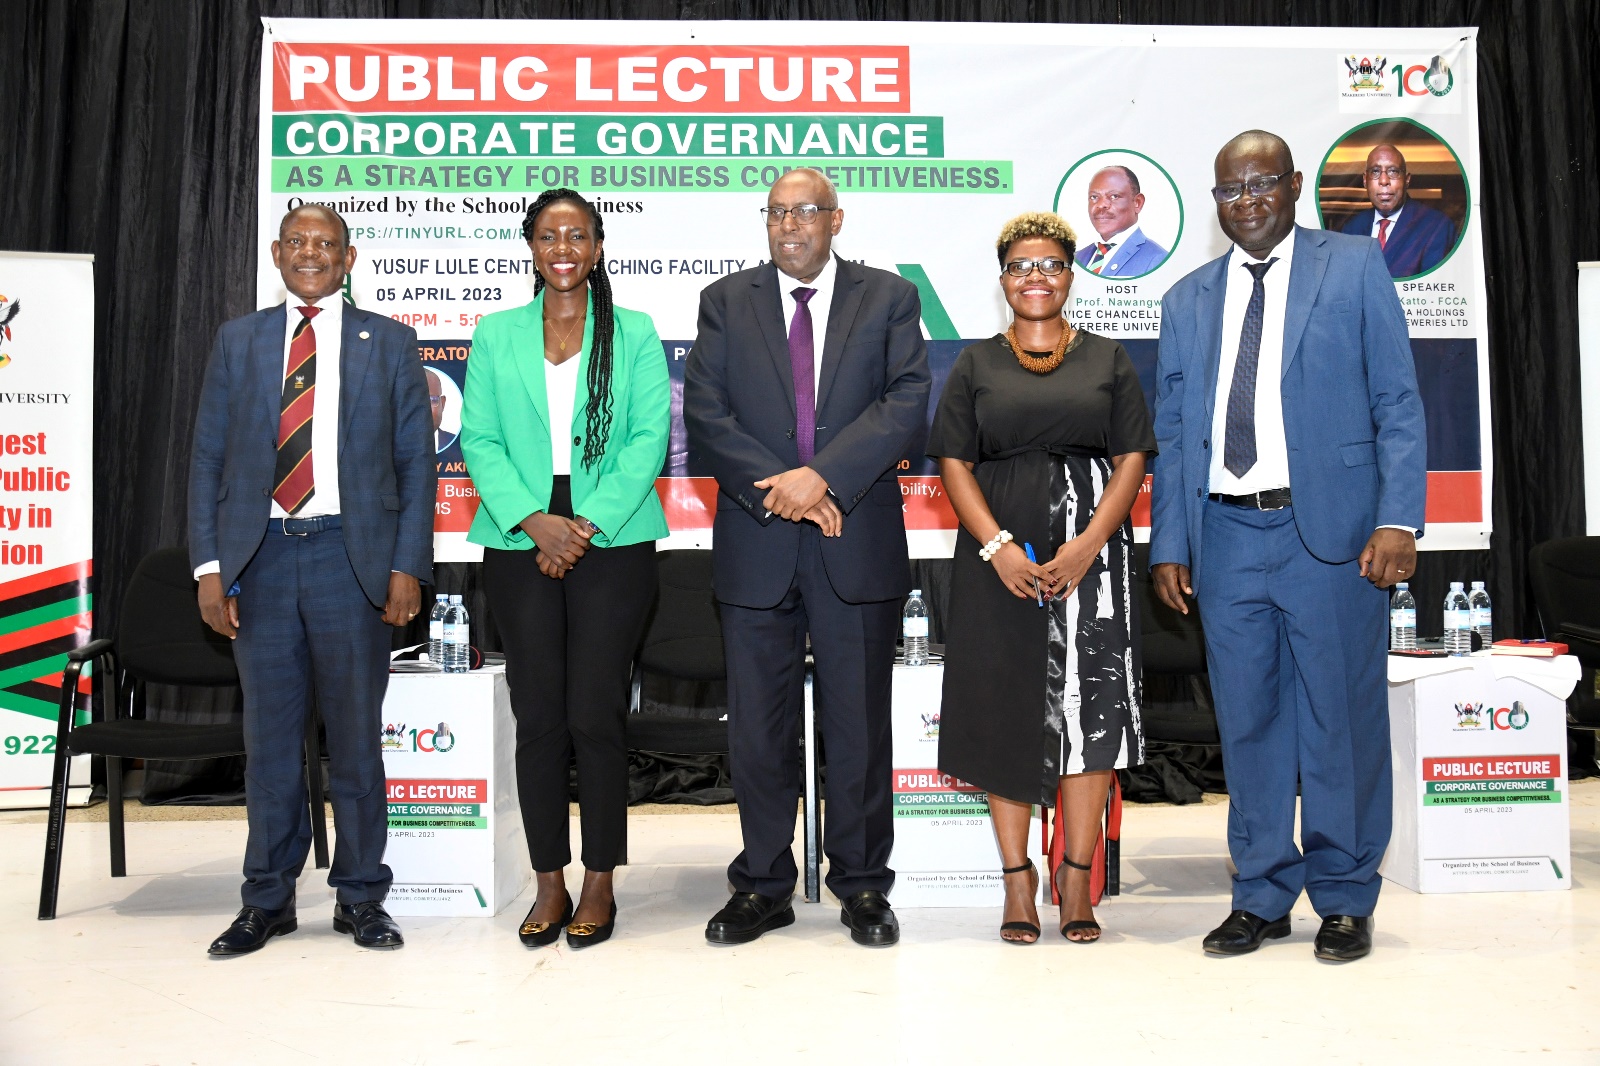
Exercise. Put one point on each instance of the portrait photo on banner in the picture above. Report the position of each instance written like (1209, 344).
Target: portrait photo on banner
(1397, 181)
(1126, 211)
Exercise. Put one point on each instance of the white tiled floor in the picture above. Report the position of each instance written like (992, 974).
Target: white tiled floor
(122, 977)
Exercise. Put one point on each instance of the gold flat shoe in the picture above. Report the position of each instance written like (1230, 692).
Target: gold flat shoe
(542, 934)
(588, 934)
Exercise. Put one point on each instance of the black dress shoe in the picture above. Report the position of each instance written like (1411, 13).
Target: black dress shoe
(747, 916)
(1344, 938)
(1242, 932)
(251, 930)
(871, 920)
(369, 923)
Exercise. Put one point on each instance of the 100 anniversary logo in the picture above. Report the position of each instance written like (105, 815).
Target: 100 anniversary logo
(9, 309)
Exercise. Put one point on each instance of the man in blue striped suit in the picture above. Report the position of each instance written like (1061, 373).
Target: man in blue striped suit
(311, 496)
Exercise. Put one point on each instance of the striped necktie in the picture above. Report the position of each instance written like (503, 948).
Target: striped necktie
(295, 477)
(1098, 262)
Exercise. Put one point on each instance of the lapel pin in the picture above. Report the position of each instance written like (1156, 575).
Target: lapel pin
(365, 334)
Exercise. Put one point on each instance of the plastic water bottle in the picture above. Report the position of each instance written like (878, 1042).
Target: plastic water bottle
(1457, 620)
(914, 627)
(457, 637)
(1402, 619)
(441, 603)
(1482, 613)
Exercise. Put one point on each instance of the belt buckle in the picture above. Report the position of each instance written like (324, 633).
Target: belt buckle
(1261, 504)
(288, 533)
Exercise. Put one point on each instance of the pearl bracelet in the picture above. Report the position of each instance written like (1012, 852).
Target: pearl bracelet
(998, 541)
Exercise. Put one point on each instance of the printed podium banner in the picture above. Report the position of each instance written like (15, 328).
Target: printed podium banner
(46, 511)
(455, 832)
(433, 137)
(1480, 781)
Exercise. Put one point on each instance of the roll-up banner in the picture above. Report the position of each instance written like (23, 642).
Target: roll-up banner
(433, 137)
(46, 510)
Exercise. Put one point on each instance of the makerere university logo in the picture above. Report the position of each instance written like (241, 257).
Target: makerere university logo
(1469, 716)
(1366, 75)
(9, 309)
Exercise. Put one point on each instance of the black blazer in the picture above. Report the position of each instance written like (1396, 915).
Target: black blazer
(872, 401)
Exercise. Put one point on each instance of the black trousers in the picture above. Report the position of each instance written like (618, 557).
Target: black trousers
(569, 645)
(853, 646)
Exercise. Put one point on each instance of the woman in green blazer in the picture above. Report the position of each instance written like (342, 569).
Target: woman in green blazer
(569, 533)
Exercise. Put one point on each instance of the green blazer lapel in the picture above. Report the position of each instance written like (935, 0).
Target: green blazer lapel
(527, 348)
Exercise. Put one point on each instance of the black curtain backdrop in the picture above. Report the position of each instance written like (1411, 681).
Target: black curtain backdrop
(128, 129)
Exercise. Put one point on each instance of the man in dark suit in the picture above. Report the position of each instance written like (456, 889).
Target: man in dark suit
(1414, 237)
(311, 495)
(1290, 485)
(807, 383)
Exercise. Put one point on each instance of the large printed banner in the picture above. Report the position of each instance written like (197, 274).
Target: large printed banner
(46, 509)
(433, 137)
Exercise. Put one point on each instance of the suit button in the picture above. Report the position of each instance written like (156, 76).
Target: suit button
(576, 441)
(266, 492)
(1199, 494)
(789, 433)
(1205, 444)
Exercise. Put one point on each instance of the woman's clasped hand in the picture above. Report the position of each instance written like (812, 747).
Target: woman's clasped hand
(561, 541)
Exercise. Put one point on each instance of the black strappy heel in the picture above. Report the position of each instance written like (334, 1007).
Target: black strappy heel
(1021, 927)
(1073, 927)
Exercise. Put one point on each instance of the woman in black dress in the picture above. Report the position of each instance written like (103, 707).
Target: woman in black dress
(1041, 437)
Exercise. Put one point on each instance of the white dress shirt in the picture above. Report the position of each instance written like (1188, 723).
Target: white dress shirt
(329, 326)
(1379, 216)
(821, 301)
(1272, 450)
(561, 397)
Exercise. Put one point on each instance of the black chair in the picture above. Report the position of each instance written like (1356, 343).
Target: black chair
(1565, 575)
(160, 639)
(682, 640)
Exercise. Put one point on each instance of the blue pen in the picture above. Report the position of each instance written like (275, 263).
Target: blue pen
(1038, 596)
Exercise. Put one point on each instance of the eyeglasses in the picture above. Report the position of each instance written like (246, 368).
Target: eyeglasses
(1049, 267)
(1392, 173)
(1227, 194)
(803, 214)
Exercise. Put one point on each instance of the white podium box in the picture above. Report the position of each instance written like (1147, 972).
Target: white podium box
(1480, 797)
(945, 853)
(455, 831)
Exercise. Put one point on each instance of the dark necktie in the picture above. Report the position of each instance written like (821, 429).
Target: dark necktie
(803, 364)
(1383, 232)
(1239, 445)
(295, 476)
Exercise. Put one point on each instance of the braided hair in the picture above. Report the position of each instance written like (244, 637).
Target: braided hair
(597, 411)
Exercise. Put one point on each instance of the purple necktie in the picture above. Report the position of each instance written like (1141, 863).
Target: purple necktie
(803, 364)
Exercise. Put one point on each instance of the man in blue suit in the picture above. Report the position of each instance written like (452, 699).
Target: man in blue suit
(1414, 237)
(311, 495)
(1123, 251)
(1290, 486)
